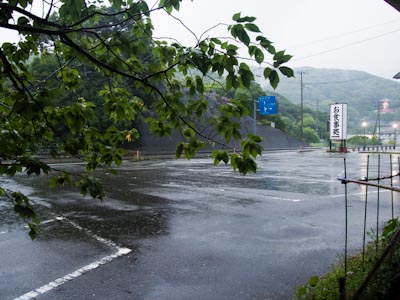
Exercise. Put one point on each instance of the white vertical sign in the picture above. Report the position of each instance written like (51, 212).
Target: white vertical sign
(338, 121)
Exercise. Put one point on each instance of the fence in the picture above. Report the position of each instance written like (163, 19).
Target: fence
(383, 254)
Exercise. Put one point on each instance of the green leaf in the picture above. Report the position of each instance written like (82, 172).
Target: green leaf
(33, 230)
(246, 76)
(236, 16)
(179, 149)
(288, 72)
(169, 5)
(215, 156)
(273, 79)
(234, 161)
(244, 164)
(252, 50)
(259, 56)
(188, 133)
(244, 37)
(23, 21)
(118, 156)
(267, 72)
(246, 19)
(199, 84)
(281, 58)
(252, 27)
(34, 165)
(61, 180)
(220, 155)
(91, 185)
(301, 291)
(229, 81)
(313, 281)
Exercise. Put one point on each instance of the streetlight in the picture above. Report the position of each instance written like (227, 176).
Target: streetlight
(364, 124)
(394, 139)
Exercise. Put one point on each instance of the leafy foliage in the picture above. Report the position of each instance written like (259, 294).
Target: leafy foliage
(384, 284)
(74, 47)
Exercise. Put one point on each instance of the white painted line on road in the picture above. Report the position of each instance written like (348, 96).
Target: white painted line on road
(328, 196)
(300, 179)
(91, 234)
(284, 199)
(51, 220)
(60, 281)
(356, 194)
(121, 251)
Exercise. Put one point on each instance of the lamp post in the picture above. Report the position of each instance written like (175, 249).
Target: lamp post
(394, 138)
(364, 124)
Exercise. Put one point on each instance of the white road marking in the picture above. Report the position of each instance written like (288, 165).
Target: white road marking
(356, 194)
(284, 199)
(60, 281)
(328, 196)
(121, 251)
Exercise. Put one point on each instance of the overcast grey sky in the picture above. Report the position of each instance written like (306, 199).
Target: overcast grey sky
(344, 34)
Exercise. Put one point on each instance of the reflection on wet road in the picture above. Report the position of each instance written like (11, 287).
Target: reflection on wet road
(188, 230)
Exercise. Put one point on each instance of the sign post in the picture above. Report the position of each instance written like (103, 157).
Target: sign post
(338, 124)
(267, 105)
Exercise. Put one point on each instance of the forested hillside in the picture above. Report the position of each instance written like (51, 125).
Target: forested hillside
(288, 118)
(362, 92)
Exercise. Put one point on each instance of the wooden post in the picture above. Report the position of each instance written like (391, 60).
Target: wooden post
(342, 288)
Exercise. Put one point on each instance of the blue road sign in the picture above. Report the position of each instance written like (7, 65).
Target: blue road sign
(267, 105)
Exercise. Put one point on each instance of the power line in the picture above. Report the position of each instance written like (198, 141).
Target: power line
(344, 34)
(347, 45)
(330, 50)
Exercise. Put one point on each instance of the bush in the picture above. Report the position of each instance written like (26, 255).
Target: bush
(384, 285)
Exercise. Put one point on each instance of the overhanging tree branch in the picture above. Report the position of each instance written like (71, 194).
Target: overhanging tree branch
(121, 48)
(30, 15)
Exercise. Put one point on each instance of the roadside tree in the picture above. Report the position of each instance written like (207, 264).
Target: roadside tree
(117, 43)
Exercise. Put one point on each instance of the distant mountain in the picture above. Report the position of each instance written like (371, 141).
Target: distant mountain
(362, 91)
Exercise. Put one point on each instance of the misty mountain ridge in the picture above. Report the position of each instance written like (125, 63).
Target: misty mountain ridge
(321, 87)
(361, 90)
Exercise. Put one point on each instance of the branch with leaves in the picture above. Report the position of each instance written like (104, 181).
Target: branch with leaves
(136, 77)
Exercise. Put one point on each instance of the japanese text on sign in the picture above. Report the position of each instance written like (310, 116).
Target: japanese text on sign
(338, 121)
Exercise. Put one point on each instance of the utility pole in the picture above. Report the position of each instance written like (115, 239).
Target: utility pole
(377, 129)
(316, 122)
(301, 104)
(255, 117)
(379, 122)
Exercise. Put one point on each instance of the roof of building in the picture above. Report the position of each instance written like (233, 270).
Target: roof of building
(394, 3)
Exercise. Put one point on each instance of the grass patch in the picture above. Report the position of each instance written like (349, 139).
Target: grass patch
(385, 284)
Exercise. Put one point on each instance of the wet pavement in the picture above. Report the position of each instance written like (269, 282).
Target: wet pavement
(177, 229)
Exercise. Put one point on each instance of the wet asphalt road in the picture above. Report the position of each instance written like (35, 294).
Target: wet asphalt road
(187, 230)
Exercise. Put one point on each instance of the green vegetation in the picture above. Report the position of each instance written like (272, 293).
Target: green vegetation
(84, 72)
(362, 92)
(383, 286)
(288, 118)
(358, 140)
